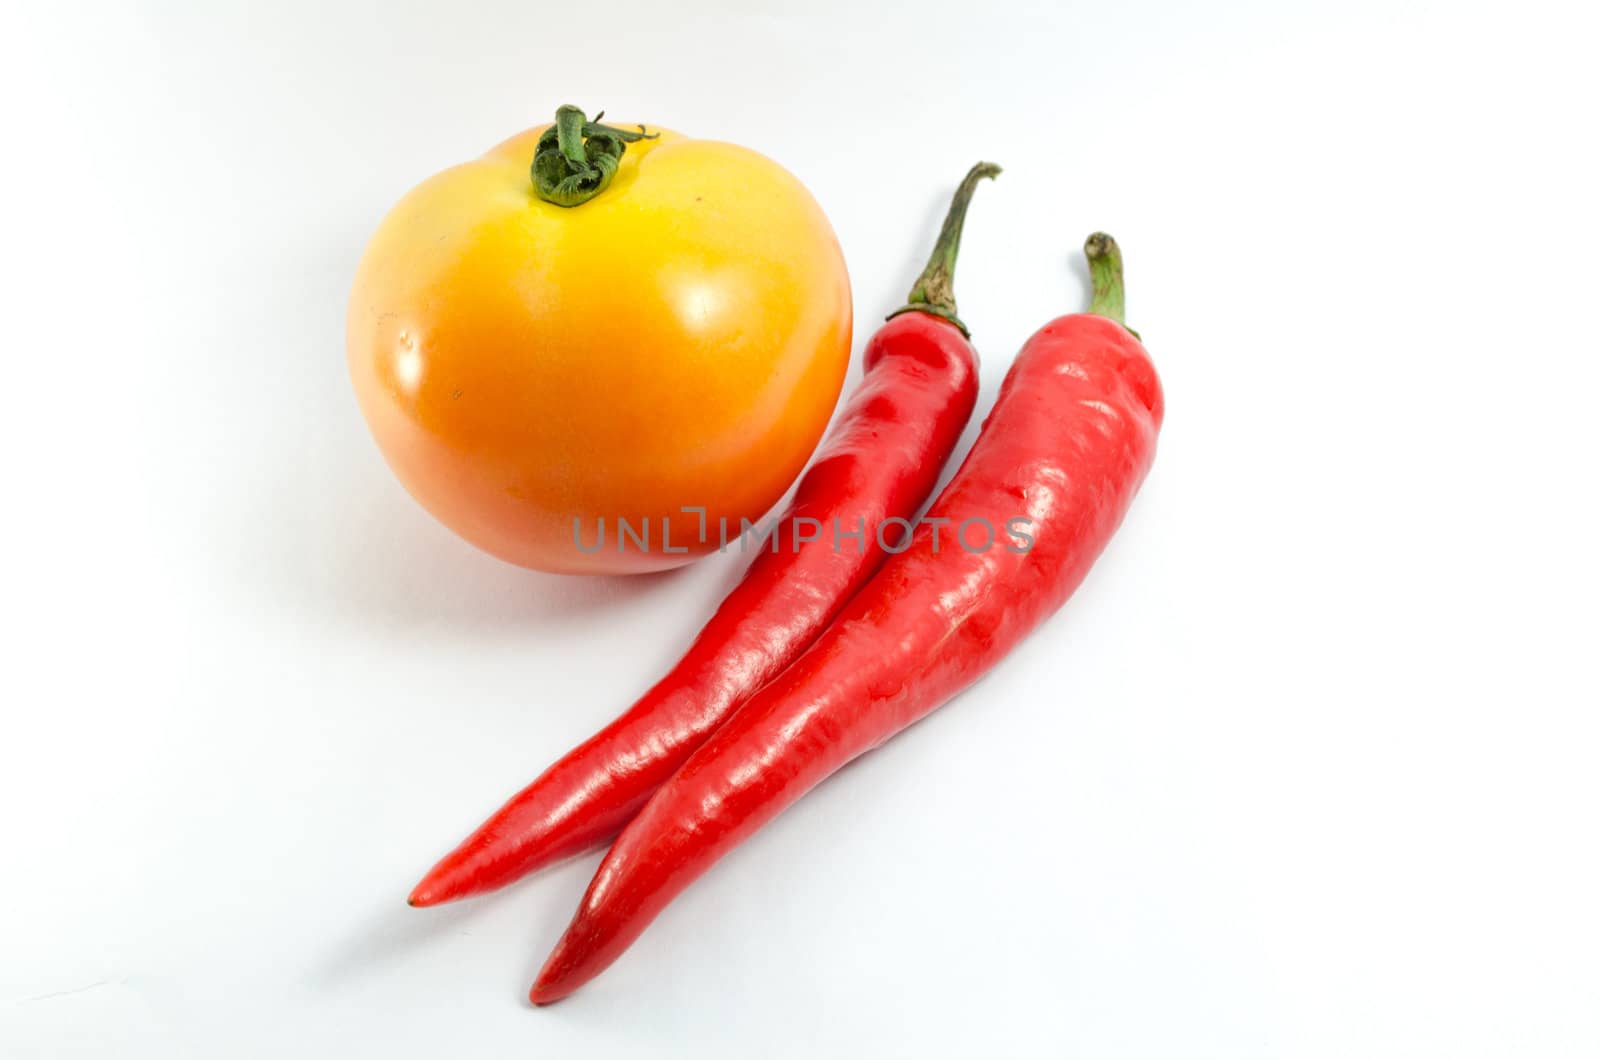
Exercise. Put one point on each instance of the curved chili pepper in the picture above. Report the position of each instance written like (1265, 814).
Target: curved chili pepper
(1068, 443)
(881, 461)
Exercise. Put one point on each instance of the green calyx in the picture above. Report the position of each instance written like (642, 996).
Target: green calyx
(935, 289)
(1105, 276)
(576, 158)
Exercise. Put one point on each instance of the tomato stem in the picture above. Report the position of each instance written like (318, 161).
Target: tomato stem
(934, 291)
(1105, 274)
(576, 158)
(569, 135)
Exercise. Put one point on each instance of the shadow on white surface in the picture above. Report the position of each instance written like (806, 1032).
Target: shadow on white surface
(385, 560)
(392, 933)
(322, 528)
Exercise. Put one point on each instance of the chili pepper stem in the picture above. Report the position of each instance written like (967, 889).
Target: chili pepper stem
(1105, 274)
(934, 291)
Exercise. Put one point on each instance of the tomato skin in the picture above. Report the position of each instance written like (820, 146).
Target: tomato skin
(678, 341)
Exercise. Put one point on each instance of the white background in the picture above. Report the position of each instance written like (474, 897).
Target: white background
(1307, 768)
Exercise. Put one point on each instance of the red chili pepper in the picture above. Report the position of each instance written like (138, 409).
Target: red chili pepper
(879, 464)
(1068, 443)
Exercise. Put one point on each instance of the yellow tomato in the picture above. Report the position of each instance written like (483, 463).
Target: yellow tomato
(535, 373)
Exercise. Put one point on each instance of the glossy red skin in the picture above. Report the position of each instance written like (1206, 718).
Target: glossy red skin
(1070, 439)
(881, 460)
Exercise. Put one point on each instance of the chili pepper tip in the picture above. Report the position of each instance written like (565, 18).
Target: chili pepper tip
(544, 992)
(424, 895)
(455, 877)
